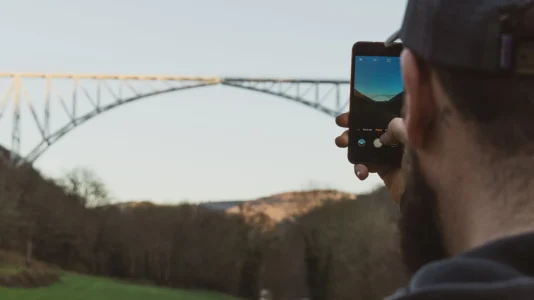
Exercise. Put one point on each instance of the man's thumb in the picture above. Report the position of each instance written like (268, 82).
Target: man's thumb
(396, 133)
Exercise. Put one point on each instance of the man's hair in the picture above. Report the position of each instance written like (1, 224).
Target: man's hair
(500, 106)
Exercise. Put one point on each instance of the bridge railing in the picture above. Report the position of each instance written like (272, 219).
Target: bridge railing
(61, 102)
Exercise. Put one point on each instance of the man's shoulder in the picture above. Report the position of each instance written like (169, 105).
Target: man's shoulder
(499, 270)
(467, 278)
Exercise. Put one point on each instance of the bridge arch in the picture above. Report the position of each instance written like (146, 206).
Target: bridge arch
(326, 97)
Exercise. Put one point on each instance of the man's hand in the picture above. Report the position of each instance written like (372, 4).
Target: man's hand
(393, 178)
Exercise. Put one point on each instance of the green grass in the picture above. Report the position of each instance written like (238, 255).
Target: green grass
(79, 287)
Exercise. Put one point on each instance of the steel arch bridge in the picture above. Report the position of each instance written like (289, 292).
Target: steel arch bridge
(69, 100)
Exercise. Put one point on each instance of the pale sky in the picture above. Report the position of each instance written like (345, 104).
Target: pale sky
(216, 143)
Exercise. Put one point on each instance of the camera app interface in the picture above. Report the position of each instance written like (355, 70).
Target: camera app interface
(378, 92)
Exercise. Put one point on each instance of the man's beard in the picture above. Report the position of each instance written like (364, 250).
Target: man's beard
(419, 226)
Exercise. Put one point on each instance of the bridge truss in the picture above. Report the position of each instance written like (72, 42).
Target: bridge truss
(65, 101)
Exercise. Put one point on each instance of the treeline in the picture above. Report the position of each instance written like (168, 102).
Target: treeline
(341, 250)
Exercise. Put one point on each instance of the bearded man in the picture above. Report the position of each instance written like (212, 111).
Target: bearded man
(466, 186)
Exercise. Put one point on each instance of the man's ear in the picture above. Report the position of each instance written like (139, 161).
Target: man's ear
(420, 105)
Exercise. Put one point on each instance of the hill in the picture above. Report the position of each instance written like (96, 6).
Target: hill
(221, 205)
(277, 207)
(214, 205)
(280, 207)
(132, 204)
(297, 245)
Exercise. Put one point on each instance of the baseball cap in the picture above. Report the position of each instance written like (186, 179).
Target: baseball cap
(484, 35)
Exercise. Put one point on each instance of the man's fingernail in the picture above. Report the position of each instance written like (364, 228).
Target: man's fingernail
(358, 174)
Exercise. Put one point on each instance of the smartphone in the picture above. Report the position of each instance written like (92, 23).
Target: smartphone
(376, 97)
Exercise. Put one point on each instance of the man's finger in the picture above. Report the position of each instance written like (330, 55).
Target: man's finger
(361, 172)
(343, 120)
(342, 141)
(396, 133)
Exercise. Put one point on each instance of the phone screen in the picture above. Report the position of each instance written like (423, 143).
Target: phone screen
(376, 99)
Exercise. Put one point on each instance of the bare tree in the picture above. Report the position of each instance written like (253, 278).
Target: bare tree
(86, 186)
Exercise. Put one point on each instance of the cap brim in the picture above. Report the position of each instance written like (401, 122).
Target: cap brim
(391, 40)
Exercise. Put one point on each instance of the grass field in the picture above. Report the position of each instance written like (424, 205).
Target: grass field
(79, 287)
